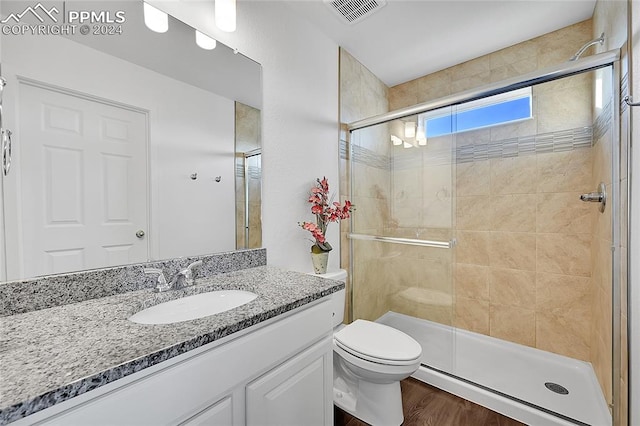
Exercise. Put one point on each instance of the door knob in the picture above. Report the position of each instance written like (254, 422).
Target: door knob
(140, 233)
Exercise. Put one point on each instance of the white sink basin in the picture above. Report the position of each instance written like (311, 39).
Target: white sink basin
(192, 307)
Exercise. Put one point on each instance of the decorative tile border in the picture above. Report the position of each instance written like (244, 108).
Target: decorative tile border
(365, 156)
(18, 297)
(254, 172)
(560, 141)
(603, 122)
(566, 140)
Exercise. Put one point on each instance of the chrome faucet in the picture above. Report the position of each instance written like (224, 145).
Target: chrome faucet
(181, 279)
(185, 277)
(162, 284)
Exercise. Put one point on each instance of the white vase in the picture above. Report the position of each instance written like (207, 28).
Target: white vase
(320, 262)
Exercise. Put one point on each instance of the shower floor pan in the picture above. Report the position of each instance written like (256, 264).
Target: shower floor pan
(527, 384)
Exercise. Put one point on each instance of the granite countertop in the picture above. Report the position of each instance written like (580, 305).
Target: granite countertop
(51, 355)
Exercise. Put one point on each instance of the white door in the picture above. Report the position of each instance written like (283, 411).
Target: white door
(83, 182)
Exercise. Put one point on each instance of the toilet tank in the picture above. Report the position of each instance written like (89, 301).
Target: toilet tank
(337, 299)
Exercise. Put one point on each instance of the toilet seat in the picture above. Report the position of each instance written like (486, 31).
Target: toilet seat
(378, 343)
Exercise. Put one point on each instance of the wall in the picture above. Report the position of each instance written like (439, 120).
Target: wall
(200, 121)
(300, 116)
(363, 95)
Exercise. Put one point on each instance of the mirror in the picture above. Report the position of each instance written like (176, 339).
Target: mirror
(124, 139)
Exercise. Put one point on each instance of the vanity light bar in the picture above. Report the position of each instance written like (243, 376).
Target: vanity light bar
(158, 21)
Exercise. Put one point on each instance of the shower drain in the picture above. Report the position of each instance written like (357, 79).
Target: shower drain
(554, 387)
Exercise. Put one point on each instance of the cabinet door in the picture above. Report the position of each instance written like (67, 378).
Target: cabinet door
(219, 414)
(298, 392)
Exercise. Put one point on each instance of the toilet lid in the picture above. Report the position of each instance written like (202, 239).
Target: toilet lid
(377, 342)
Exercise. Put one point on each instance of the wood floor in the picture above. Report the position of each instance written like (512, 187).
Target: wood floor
(425, 405)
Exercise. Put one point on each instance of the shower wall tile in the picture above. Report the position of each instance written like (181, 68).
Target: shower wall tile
(568, 108)
(563, 212)
(513, 69)
(472, 281)
(565, 171)
(563, 295)
(602, 225)
(473, 247)
(474, 213)
(433, 86)
(473, 137)
(513, 175)
(472, 315)
(559, 46)
(513, 250)
(434, 274)
(473, 178)
(563, 334)
(403, 95)
(514, 130)
(513, 54)
(515, 213)
(470, 68)
(514, 324)
(568, 254)
(471, 82)
(602, 160)
(512, 287)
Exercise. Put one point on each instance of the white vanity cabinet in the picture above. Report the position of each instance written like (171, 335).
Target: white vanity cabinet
(275, 373)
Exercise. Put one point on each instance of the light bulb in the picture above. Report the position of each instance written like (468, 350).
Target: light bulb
(407, 145)
(204, 41)
(155, 19)
(225, 12)
(396, 140)
(409, 130)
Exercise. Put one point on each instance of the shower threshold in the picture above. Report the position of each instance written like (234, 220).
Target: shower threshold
(527, 384)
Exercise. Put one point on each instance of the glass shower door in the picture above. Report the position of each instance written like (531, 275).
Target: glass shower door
(402, 230)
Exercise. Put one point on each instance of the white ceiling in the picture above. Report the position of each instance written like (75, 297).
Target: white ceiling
(407, 39)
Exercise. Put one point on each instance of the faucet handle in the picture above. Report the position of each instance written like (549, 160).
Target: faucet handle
(189, 273)
(162, 281)
(194, 264)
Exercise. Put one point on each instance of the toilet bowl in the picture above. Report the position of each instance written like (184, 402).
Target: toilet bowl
(369, 360)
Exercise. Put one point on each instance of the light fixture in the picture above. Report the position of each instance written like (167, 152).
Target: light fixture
(409, 129)
(204, 41)
(396, 140)
(598, 92)
(225, 11)
(421, 136)
(407, 145)
(155, 19)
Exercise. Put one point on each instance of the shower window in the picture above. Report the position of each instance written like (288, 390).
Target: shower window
(492, 111)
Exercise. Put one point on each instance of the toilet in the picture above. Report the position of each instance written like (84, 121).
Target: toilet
(369, 360)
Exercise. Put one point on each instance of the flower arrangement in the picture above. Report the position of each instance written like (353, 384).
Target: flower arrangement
(326, 212)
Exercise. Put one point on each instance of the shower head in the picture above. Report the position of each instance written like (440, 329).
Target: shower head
(586, 46)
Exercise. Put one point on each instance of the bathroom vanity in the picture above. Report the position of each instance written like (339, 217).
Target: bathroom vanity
(266, 362)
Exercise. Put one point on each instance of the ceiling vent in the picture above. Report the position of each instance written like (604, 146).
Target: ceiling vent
(354, 11)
